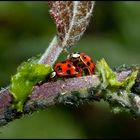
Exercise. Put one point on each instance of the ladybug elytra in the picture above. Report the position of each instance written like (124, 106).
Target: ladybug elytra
(67, 69)
(84, 61)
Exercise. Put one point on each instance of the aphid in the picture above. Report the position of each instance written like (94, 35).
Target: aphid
(67, 69)
(84, 61)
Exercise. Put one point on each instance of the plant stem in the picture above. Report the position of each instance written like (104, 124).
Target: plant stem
(69, 91)
(52, 52)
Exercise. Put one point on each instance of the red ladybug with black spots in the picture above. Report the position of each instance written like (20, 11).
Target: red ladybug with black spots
(67, 69)
(83, 61)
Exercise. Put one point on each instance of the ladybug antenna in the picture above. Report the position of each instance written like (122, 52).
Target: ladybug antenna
(65, 51)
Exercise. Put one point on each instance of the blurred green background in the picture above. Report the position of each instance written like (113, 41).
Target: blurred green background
(26, 29)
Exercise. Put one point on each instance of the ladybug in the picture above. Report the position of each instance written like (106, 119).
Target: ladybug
(67, 69)
(84, 61)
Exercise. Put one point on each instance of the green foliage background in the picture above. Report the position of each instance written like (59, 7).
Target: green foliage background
(26, 29)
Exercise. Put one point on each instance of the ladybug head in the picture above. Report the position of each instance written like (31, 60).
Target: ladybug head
(73, 55)
(53, 74)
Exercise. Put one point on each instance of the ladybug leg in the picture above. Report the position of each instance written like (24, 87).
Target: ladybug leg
(86, 71)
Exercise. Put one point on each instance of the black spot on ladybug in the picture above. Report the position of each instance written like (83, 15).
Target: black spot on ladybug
(93, 70)
(88, 63)
(84, 57)
(91, 61)
(77, 70)
(63, 62)
(59, 69)
(75, 61)
(68, 72)
(69, 65)
(58, 66)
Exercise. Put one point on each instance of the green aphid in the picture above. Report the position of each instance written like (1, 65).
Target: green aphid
(28, 74)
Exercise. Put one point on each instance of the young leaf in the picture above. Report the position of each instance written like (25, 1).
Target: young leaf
(28, 74)
(71, 19)
(110, 80)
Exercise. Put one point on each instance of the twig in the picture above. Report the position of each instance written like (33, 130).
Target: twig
(68, 91)
(72, 90)
(52, 52)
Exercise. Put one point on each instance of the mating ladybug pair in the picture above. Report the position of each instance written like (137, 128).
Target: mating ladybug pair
(76, 64)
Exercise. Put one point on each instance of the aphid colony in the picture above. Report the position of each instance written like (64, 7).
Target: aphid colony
(76, 64)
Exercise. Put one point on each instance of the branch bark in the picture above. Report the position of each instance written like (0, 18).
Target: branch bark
(69, 91)
(73, 90)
